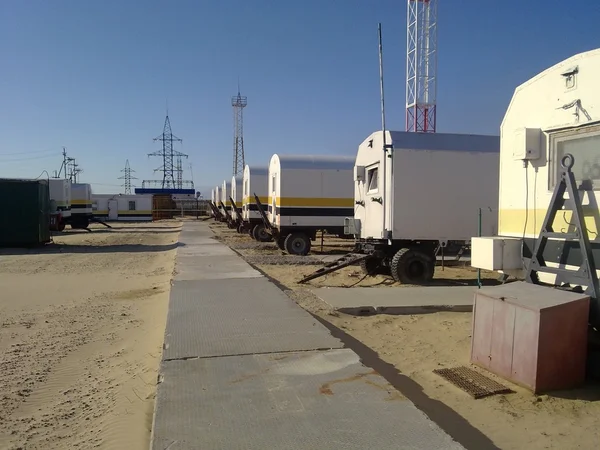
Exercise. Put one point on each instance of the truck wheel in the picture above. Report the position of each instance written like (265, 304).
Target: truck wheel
(281, 242)
(411, 266)
(374, 266)
(297, 244)
(260, 234)
(240, 228)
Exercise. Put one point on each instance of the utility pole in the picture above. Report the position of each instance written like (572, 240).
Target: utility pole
(70, 167)
(127, 178)
(238, 103)
(168, 155)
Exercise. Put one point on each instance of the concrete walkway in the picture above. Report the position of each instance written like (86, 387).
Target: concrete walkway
(398, 300)
(244, 367)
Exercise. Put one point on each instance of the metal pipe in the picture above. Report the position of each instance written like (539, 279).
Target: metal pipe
(385, 195)
(479, 235)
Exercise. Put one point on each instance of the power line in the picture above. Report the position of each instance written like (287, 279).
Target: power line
(53, 155)
(27, 153)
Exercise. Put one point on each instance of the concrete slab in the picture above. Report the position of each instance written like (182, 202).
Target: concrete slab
(189, 240)
(213, 268)
(398, 300)
(314, 400)
(203, 250)
(236, 316)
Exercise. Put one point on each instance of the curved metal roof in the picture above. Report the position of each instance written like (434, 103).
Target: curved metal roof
(316, 162)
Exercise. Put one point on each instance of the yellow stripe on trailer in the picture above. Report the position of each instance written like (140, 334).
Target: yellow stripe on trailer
(250, 199)
(529, 222)
(314, 202)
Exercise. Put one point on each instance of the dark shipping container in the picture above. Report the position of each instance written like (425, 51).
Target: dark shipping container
(25, 215)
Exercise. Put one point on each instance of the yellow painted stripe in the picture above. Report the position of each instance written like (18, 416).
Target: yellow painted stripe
(246, 200)
(81, 202)
(512, 221)
(124, 211)
(314, 202)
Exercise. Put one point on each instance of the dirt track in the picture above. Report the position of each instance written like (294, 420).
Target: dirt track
(81, 330)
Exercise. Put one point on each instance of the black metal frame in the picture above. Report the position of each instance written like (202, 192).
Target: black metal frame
(227, 215)
(345, 261)
(238, 212)
(586, 274)
(263, 214)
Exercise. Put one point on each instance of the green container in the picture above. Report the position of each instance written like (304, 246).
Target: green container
(25, 214)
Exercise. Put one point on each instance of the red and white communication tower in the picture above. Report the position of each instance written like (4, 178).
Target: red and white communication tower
(421, 65)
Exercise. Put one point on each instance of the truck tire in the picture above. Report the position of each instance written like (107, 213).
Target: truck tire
(374, 266)
(260, 234)
(281, 242)
(297, 244)
(410, 266)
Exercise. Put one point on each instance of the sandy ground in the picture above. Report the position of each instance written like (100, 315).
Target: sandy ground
(81, 331)
(417, 344)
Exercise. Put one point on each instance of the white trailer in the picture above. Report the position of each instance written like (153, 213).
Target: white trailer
(255, 182)
(225, 193)
(218, 194)
(60, 198)
(212, 200)
(422, 191)
(554, 113)
(121, 207)
(307, 194)
(236, 195)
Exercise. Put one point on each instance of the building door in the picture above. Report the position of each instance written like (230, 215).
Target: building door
(113, 210)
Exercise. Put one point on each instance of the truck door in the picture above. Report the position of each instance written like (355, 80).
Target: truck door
(372, 225)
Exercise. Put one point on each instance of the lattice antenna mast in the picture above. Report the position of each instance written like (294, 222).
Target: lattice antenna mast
(421, 66)
(168, 154)
(238, 102)
(127, 177)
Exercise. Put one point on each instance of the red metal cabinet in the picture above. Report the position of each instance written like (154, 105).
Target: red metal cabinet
(532, 335)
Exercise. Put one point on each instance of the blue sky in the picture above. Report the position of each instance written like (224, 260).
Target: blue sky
(95, 76)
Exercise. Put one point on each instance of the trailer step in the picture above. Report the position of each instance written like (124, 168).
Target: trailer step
(345, 261)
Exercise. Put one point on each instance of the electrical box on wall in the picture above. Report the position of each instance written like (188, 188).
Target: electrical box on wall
(359, 173)
(527, 144)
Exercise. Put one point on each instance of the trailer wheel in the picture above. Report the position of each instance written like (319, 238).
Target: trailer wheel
(411, 266)
(297, 244)
(240, 228)
(80, 223)
(281, 242)
(374, 266)
(260, 234)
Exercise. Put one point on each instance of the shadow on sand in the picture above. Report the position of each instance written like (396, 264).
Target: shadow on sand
(50, 249)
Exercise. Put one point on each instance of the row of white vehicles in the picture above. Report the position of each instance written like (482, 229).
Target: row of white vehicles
(405, 195)
(70, 203)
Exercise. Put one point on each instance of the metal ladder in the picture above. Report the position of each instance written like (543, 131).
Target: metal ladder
(345, 261)
(586, 274)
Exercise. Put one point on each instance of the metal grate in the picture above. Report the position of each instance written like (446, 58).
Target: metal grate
(474, 383)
